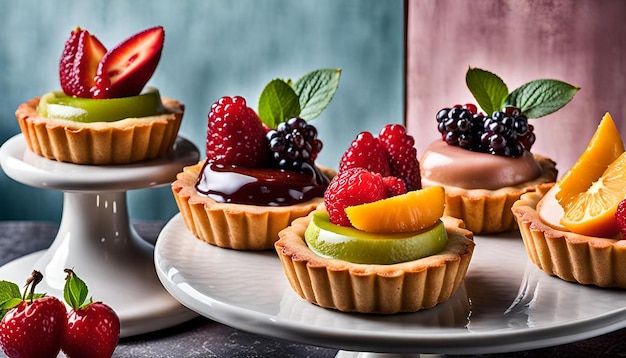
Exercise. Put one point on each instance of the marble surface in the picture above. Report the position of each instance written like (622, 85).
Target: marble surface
(202, 337)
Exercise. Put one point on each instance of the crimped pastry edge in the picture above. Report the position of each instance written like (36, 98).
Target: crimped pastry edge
(126, 141)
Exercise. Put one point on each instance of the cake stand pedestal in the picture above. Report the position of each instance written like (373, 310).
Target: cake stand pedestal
(95, 237)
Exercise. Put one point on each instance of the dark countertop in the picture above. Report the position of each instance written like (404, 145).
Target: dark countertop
(202, 337)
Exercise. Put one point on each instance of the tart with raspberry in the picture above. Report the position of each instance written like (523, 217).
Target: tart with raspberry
(374, 247)
(484, 161)
(575, 228)
(259, 173)
(104, 113)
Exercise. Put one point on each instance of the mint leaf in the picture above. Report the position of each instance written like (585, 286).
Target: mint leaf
(9, 296)
(487, 88)
(277, 103)
(315, 90)
(75, 291)
(539, 98)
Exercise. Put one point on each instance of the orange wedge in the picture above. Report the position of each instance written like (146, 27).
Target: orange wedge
(592, 212)
(408, 212)
(603, 148)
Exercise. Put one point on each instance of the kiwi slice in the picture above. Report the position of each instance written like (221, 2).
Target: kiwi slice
(349, 244)
(57, 104)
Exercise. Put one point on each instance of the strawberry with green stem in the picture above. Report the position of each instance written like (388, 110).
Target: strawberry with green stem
(93, 328)
(32, 324)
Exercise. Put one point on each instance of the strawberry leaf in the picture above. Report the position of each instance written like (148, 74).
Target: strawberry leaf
(487, 88)
(315, 90)
(9, 296)
(75, 291)
(277, 103)
(541, 97)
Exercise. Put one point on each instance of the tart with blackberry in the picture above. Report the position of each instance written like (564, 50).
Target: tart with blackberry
(103, 113)
(575, 229)
(484, 161)
(374, 247)
(259, 173)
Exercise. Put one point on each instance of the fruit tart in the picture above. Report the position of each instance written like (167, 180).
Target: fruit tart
(103, 114)
(374, 247)
(575, 228)
(485, 161)
(259, 173)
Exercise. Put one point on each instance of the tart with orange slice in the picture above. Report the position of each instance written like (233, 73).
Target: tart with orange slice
(396, 254)
(571, 229)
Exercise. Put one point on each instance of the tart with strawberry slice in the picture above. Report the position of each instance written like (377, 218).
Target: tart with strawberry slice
(259, 173)
(104, 113)
(373, 249)
(484, 160)
(575, 228)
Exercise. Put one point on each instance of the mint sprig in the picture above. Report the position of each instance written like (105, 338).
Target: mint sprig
(541, 97)
(535, 99)
(306, 98)
(487, 88)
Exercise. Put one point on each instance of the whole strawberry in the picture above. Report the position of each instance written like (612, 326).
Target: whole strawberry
(402, 155)
(366, 151)
(33, 324)
(93, 328)
(235, 134)
(353, 186)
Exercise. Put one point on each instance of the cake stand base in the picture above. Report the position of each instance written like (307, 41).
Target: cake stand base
(95, 237)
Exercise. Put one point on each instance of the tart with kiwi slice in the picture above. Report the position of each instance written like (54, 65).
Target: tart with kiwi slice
(103, 113)
(484, 158)
(574, 229)
(413, 259)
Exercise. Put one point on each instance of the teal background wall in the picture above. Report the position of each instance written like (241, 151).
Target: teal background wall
(212, 48)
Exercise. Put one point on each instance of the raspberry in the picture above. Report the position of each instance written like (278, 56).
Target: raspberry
(402, 155)
(394, 186)
(620, 217)
(365, 151)
(235, 134)
(351, 187)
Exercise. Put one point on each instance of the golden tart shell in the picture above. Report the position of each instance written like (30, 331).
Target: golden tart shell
(572, 257)
(387, 289)
(234, 226)
(489, 211)
(100, 143)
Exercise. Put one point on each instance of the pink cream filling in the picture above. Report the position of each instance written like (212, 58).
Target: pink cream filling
(453, 166)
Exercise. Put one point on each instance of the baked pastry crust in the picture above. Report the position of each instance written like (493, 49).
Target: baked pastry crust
(234, 226)
(572, 257)
(99, 143)
(489, 211)
(350, 287)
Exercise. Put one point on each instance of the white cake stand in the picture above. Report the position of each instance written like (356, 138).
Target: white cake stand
(95, 236)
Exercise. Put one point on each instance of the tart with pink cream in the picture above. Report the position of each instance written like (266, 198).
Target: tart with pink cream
(103, 114)
(575, 229)
(485, 162)
(259, 173)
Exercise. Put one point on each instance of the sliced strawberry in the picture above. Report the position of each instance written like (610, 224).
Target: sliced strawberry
(126, 69)
(79, 62)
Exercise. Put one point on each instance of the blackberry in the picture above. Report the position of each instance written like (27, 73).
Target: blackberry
(293, 143)
(505, 132)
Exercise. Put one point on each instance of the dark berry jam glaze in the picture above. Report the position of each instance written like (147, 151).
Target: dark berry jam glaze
(263, 187)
